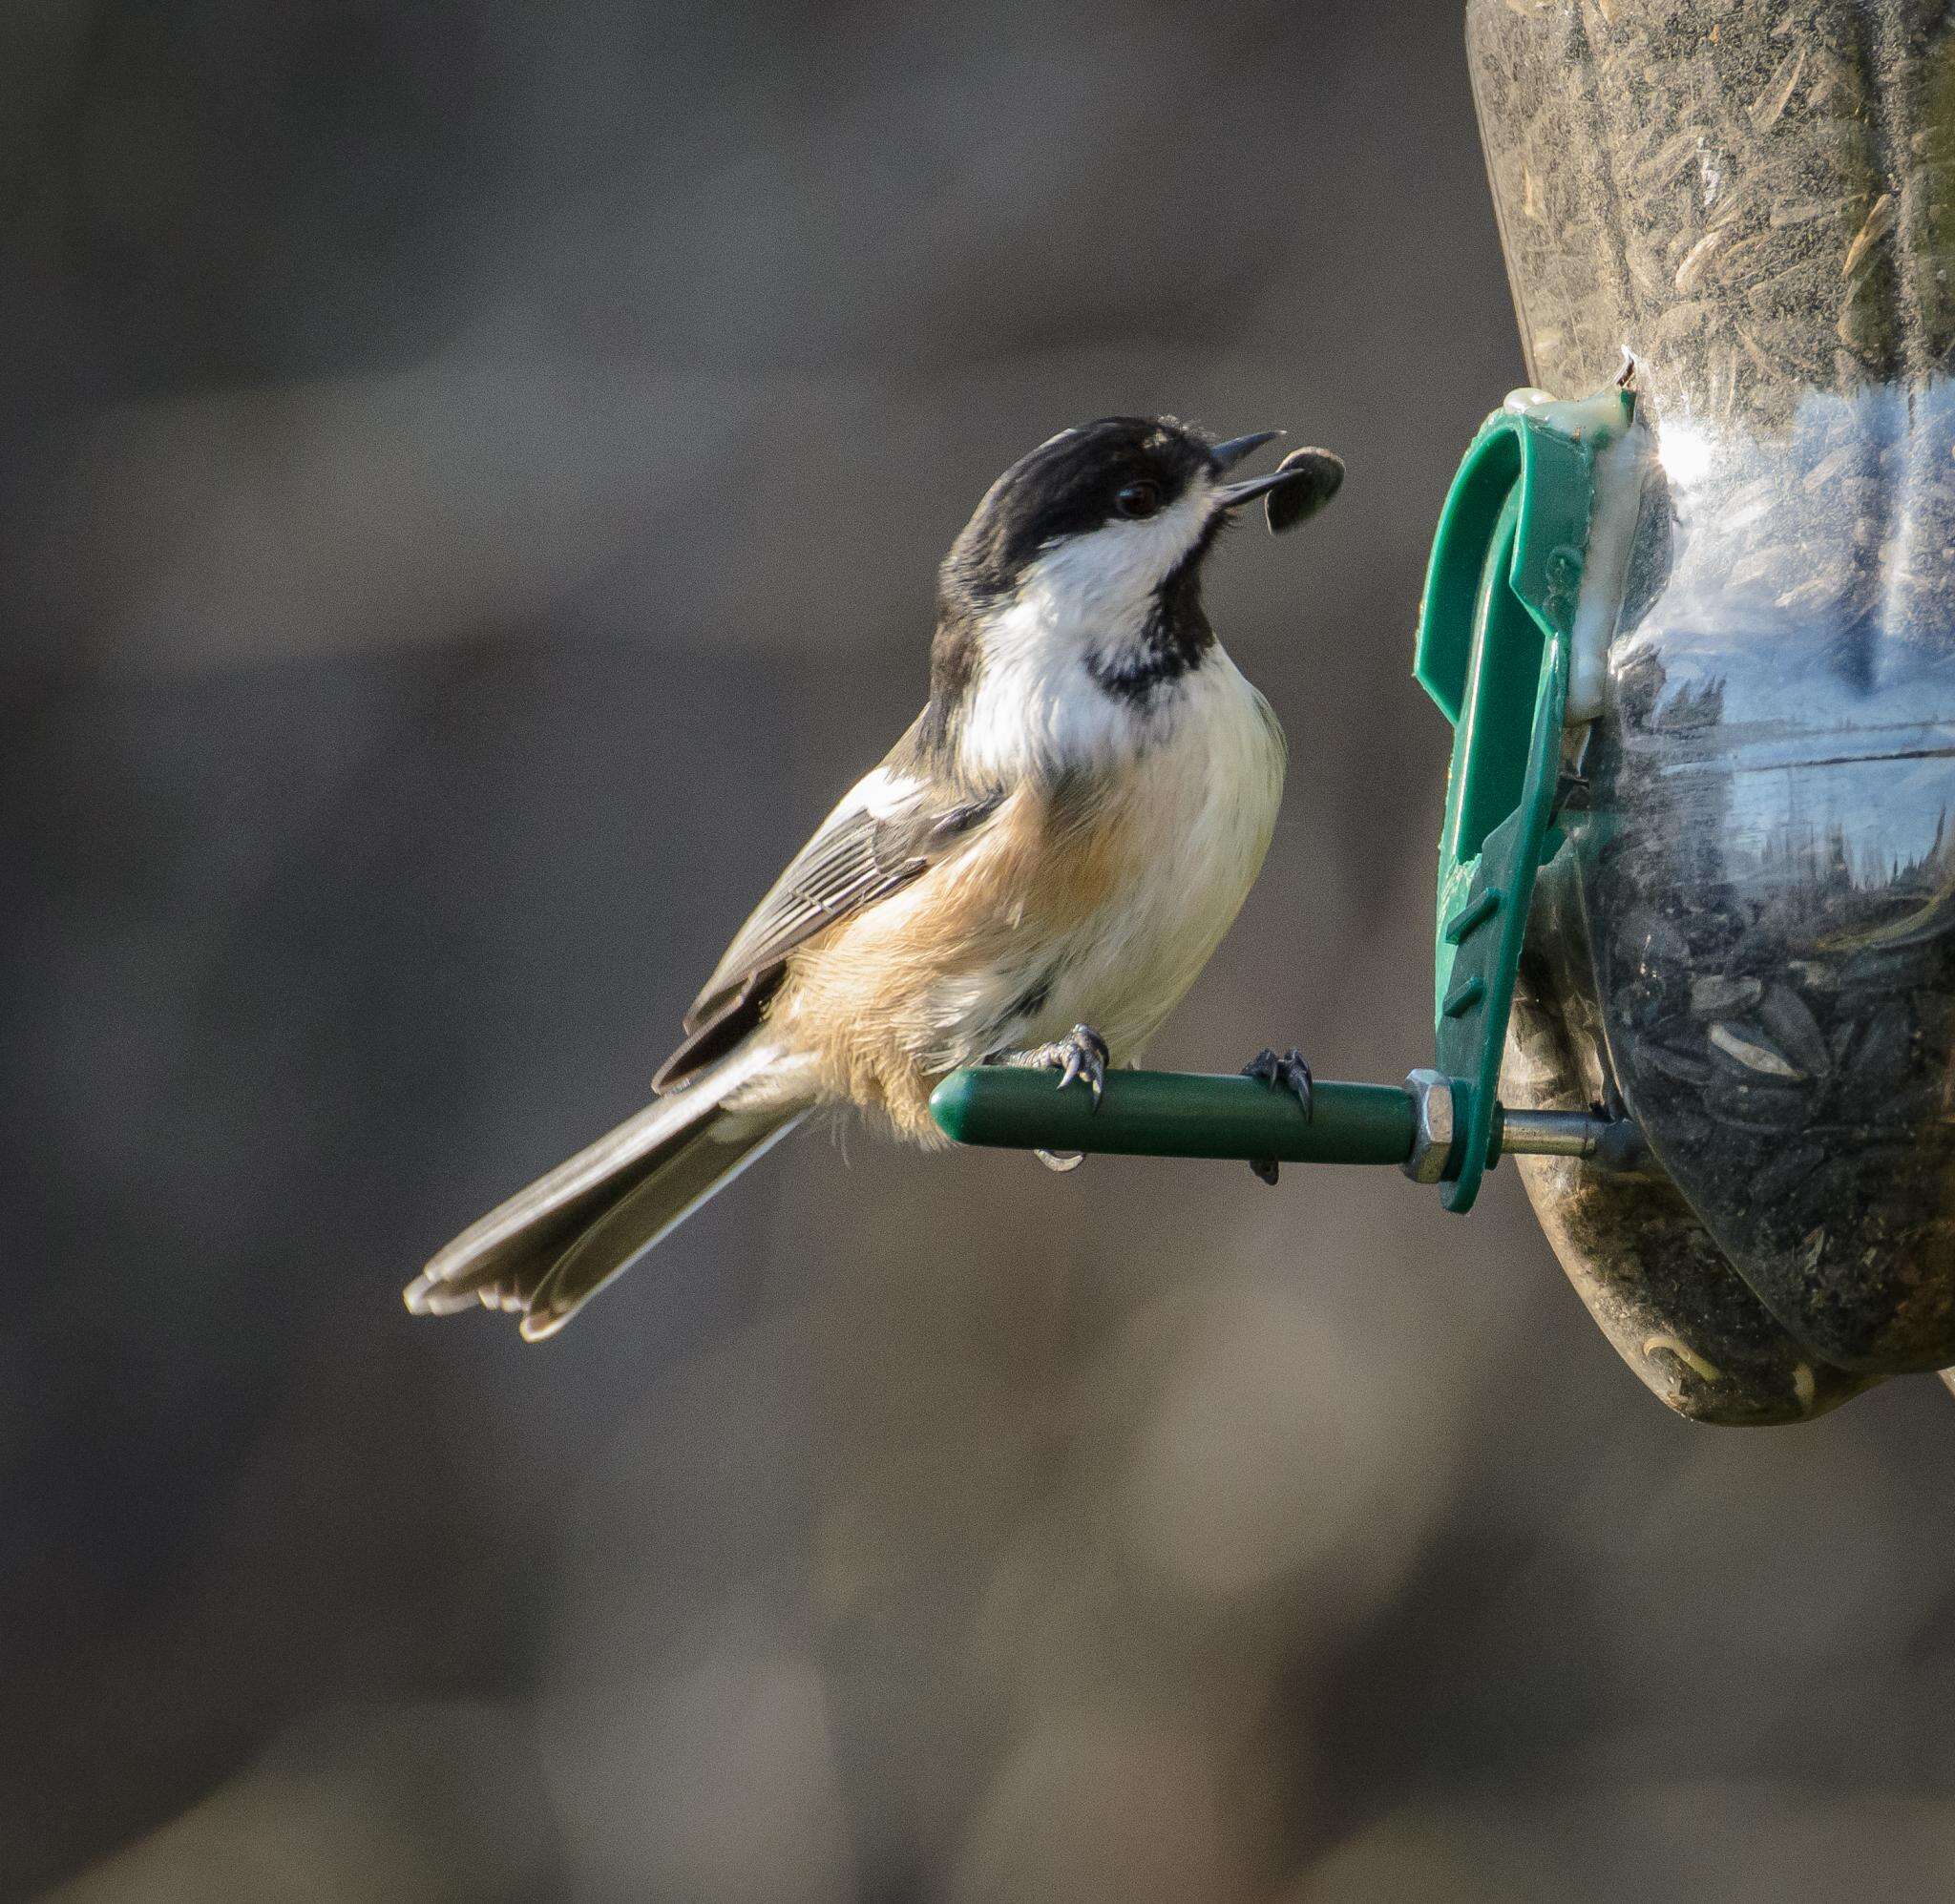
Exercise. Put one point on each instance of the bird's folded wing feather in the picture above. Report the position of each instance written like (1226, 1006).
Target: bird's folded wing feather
(890, 827)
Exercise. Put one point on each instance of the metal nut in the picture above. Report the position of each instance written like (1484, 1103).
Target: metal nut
(1432, 1125)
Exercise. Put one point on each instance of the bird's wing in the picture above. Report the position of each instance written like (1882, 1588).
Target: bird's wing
(890, 827)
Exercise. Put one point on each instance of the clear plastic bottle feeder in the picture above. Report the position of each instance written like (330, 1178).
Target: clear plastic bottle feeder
(1697, 876)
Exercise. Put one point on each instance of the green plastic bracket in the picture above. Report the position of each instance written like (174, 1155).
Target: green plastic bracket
(1496, 628)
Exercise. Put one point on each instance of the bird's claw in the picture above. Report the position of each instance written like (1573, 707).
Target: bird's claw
(1081, 1054)
(1289, 1073)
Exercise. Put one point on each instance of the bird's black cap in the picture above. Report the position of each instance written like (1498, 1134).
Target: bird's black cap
(1067, 486)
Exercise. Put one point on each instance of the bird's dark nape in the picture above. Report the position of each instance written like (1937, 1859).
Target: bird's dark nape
(954, 655)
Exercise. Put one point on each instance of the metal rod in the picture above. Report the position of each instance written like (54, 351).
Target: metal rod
(1549, 1133)
(1609, 1144)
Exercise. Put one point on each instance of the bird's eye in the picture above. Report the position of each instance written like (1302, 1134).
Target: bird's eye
(1138, 499)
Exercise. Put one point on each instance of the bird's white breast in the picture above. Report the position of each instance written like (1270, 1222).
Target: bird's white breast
(1199, 812)
(1188, 801)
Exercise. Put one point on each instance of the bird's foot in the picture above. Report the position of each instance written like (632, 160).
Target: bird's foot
(1287, 1073)
(1081, 1054)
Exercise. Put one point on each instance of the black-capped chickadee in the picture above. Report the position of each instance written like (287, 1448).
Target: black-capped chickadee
(1034, 875)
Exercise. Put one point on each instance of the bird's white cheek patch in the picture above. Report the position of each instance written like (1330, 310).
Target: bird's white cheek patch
(1109, 575)
(1034, 704)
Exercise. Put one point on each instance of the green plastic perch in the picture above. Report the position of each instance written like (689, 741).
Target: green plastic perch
(1176, 1114)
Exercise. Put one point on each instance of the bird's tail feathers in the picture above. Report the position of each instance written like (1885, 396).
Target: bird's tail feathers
(551, 1247)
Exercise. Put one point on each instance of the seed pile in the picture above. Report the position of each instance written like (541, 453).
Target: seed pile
(1661, 1289)
(1784, 1023)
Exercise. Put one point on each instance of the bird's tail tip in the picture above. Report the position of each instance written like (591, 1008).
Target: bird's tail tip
(542, 1254)
(433, 1294)
(428, 1295)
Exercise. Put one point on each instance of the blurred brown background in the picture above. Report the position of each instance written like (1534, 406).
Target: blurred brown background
(472, 476)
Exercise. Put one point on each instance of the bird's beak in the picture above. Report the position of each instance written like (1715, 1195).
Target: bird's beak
(1228, 454)
(1297, 488)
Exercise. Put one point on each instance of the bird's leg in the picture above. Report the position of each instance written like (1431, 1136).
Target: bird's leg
(1287, 1073)
(1081, 1054)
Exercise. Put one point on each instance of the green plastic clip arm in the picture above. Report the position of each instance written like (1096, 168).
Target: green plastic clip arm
(1495, 631)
